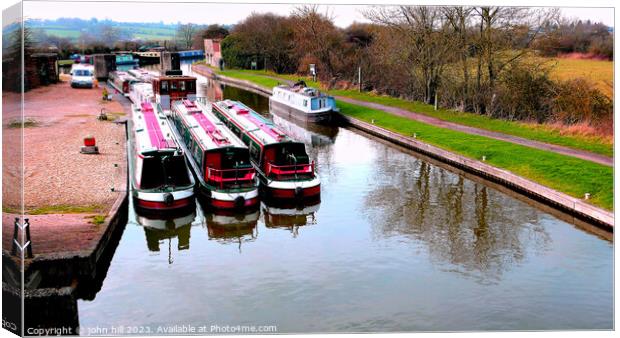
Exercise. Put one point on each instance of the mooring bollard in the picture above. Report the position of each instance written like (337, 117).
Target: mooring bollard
(587, 196)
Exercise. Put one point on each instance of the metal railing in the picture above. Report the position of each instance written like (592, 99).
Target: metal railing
(278, 171)
(226, 177)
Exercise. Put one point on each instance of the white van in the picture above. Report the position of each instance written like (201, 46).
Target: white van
(82, 75)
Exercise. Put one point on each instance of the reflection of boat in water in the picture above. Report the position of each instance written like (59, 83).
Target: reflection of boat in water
(160, 229)
(288, 217)
(227, 227)
(308, 133)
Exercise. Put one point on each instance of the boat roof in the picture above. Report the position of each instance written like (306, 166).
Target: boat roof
(151, 129)
(301, 90)
(82, 66)
(210, 132)
(143, 74)
(175, 77)
(251, 122)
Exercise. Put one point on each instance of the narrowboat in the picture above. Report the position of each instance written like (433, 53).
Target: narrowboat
(284, 168)
(169, 88)
(192, 54)
(126, 59)
(220, 161)
(149, 57)
(141, 92)
(302, 102)
(161, 180)
(121, 81)
(142, 74)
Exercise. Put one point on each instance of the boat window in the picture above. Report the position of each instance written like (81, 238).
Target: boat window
(254, 151)
(190, 86)
(173, 85)
(164, 87)
(235, 158)
(182, 85)
(160, 170)
(290, 154)
(305, 103)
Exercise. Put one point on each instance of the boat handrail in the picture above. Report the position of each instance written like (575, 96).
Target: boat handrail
(242, 175)
(291, 169)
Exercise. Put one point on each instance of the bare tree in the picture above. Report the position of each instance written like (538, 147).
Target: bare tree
(185, 34)
(316, 36)
(424, 31)
(459, 18)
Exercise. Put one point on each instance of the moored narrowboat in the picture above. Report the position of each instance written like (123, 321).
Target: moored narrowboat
(284, 168)
(219, 160)
(169, 88)
(141, 92)
(121, 81)
(160, 178)
(302, 102)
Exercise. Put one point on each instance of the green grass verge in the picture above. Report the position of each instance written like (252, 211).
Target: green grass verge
(567, 174)
(66, 209)
(540, 133)
(528, 131)
(97, 219)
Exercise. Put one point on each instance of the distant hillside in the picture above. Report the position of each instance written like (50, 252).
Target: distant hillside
(72, 28)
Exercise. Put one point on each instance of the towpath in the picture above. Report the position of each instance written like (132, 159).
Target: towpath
(582, 154)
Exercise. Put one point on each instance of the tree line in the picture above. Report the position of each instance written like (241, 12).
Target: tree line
(486, 60)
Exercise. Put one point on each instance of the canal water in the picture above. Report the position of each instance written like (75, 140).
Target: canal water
(398, 243)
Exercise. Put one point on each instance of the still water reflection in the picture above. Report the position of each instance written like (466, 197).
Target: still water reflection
(397, 243)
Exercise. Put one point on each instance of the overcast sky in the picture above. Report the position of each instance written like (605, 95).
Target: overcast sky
(225, 13)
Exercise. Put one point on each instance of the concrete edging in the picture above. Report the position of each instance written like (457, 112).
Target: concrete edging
(554, 198)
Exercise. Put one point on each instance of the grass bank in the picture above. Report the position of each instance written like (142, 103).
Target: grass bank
(537, 132)
(567, 174)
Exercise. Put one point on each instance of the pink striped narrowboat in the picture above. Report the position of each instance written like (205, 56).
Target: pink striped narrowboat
(218, 158)
(161, 179)
(284, 168)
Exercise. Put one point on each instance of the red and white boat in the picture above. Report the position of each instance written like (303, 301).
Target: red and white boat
(160, 177)
(284, 168)
(170, 88)
(121, 81)
(218, 158)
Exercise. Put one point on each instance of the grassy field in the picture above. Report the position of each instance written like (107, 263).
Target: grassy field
(538, 132)
(564, 173)
(136, 32)
(601, 73)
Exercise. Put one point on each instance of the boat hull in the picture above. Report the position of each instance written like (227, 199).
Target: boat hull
(220, 200)
(164, 202)
(291, 191)
(285, 110)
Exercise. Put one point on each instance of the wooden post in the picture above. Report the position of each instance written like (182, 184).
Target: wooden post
(359, 78)
(435, 100)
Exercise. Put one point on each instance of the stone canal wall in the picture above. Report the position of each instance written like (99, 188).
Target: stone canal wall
(551, 197)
